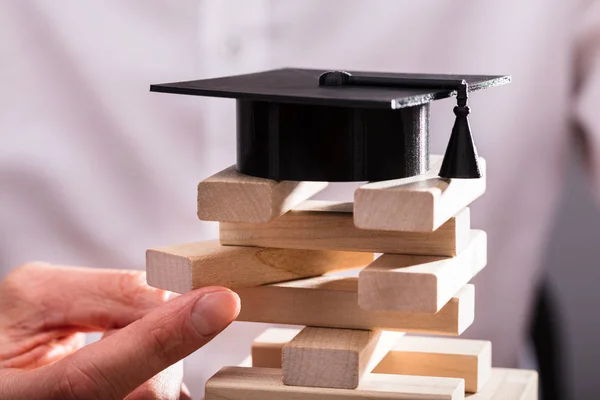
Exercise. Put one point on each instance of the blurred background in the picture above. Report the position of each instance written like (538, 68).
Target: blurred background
(94, 169)
(571, 259)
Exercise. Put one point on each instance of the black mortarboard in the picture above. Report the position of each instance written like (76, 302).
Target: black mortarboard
(314, 125)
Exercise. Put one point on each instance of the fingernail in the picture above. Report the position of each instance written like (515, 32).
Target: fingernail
(214, 311)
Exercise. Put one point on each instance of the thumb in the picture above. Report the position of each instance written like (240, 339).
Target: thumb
(116, 365)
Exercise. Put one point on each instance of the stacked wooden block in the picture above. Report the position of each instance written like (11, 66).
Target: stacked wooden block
(275, 247)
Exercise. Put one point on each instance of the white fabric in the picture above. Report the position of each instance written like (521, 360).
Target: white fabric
(94, 168)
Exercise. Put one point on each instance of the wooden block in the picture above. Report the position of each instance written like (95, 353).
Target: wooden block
(420, 283)
(266, 384)
(334, 358)
(232, 196)
(418, 204)
(509, 384)
(332, 302)
(189, 266)
(466, 359)
(311, 228)
(470, 360)
(268, 347)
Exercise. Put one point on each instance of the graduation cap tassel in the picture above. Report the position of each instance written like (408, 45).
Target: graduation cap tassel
(461, 160)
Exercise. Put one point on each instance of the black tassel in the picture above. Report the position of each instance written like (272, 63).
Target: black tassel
(461, 160)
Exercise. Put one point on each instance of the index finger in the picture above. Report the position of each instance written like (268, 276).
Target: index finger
(119, 363)
(86, 298)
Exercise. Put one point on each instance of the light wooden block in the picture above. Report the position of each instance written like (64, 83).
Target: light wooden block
(470, 360)
(267, 348)
(312, 228)
(509, 384)
(334, 358)
(422, 203)
(189, 266)
(232, 196)
(420, 283)
(332, 302)
(466, 359)
(266, 384)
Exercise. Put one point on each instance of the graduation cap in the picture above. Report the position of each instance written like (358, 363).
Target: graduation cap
(335, 126)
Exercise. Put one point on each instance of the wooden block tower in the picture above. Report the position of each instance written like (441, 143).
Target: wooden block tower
(297, 130)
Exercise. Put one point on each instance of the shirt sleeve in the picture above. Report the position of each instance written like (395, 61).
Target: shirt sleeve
(586, 100)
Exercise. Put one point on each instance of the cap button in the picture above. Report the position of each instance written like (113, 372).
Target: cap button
(334, 78)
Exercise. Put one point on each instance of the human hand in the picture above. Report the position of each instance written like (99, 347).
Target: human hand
(45, 309)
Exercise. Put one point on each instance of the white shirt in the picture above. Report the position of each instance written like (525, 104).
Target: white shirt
(95, 169)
